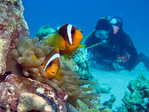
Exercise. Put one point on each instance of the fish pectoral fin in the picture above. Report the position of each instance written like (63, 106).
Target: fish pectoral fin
(50, 41)
(66, 56)
(59, 75)
(59, 42)
(81, 46)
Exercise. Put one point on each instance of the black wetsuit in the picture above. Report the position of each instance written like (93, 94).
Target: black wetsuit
(117, 45)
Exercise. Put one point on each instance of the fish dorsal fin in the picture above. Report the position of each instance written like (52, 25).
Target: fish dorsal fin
(57, 55)
(69, 28)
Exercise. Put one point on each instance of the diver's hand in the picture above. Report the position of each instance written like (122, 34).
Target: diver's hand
(123, 59)
(103, 42)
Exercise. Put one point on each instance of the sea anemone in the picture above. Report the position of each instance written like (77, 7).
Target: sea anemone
(71, 85)
(29, 53)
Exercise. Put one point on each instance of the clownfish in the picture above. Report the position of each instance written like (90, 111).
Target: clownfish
(67, 39)
(51, 65)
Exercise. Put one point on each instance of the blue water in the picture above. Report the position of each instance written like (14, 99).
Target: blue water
(85, 13)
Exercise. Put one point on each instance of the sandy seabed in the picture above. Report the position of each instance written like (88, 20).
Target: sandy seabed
(118, 80)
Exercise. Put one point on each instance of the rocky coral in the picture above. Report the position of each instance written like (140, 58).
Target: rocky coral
(12, 26)
(45, 31)
(33, 91)
(110, 102)
(24, 57)
(104, 88)
(29, 101)
(82, 64)
(138, 99)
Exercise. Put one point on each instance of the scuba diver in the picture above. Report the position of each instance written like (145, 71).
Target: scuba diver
(112, 47)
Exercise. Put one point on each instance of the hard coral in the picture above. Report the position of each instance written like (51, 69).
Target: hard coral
(12, 26)
(15, 85)
(29, 101)
(45, 31)
(82, 64)
(135, 101)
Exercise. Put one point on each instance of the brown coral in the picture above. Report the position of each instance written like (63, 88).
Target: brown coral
(15, 85)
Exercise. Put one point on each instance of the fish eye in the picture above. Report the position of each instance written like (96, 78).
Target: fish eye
(72, 31)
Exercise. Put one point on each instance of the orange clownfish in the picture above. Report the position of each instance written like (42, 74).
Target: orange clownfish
(67, 39)
(51, 65)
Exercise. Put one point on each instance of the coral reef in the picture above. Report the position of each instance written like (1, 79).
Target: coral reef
(23, 56)
(110, 102)
(104, 88)
(29, 101)
(138, 99)
(12, 26)
(82, 64)
(45, 31)
(15, 85)
(70, 60)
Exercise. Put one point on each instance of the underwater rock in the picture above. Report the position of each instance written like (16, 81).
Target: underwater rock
(104, 88)
(29, 101)
(12, 26)
(138, 98)
(82, 64)
(9, 96)
(110, 102)
(107, 110)
(15, 85)
(45, 31)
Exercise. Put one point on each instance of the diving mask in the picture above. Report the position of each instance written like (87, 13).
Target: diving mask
(102, 34)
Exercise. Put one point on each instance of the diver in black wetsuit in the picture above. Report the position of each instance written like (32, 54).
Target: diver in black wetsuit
(112, 47)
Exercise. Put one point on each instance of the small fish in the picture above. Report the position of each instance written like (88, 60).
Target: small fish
(51, 65)
(67, 39)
